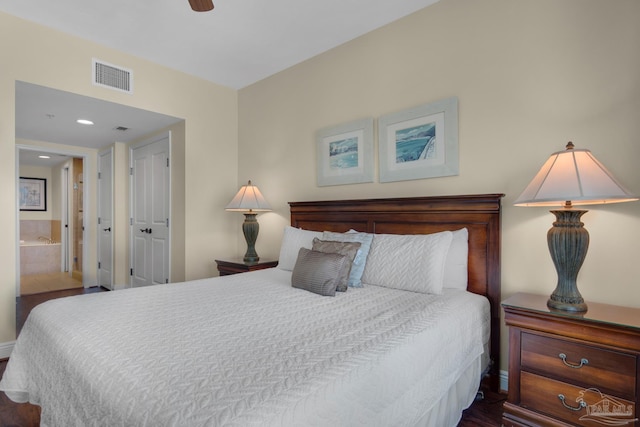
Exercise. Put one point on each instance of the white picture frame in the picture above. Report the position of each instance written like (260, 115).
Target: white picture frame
(420, 142)
(345, 153)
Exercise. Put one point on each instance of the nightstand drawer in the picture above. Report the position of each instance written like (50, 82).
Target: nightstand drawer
(580, 406)
(580, 364)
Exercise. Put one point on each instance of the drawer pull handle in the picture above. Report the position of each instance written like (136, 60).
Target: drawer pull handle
(583, 361)
(582, 404)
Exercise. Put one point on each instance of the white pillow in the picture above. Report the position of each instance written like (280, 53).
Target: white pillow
(408, 262)
(292, 240)
(456, 275)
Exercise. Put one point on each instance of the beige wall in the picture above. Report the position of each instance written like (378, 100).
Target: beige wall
(38, 55)
(530, 76)
(120, 214)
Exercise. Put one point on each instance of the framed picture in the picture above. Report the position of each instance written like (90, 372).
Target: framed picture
(420, 142)
(345, 153)
(33, 194)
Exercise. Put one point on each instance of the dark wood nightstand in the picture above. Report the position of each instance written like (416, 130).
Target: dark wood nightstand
(237, 265)
(567, 369)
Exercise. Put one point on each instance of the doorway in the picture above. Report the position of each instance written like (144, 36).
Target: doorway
(47, 117)
(51, 237)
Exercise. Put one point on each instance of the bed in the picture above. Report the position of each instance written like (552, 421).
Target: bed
(251, 349)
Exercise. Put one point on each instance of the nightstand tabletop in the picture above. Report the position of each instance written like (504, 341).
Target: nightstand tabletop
(240, 261)
(627, 317)
(237, 265)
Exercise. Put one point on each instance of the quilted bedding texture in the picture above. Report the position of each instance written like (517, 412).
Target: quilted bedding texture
(244, 350)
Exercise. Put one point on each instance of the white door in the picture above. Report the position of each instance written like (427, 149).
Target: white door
(150, 211)
(105, 219)
(64, 223)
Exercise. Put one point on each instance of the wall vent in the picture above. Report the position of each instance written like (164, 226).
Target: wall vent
(112, 76)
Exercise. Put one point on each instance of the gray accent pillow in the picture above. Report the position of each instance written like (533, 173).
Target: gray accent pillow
(349, 249)
(318, 272)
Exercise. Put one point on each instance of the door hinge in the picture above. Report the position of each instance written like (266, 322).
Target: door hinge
(99, 265)
(166, 280)
(130, 221)
(99, 175)
(167, 222)
(99, 220)
(130, 171)
(131, 272)
(167, 162)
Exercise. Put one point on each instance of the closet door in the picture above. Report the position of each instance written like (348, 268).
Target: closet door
(105, 219)
(150, 211)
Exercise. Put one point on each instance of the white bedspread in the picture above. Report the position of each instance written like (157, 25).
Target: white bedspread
(244, 350)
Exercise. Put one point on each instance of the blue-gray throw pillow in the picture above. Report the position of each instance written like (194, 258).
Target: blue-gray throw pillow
(349, 249)
(360, 261)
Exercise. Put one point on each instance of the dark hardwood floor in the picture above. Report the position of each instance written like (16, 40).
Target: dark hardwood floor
(486, 412)
(16, 414)
(483, 413)
(25, 303)
(26, 415)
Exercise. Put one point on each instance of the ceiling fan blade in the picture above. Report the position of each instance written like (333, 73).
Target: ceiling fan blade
(201, 5)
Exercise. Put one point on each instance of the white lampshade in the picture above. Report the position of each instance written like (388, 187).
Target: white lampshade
(249, 198)
(575, 176)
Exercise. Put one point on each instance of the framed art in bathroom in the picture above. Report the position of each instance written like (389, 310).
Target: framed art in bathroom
(33, 194)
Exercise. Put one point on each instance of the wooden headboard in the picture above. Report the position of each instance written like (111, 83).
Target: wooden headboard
(480, 214)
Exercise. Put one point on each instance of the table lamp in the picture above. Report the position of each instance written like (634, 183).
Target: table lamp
(569, 178)
(249, 200)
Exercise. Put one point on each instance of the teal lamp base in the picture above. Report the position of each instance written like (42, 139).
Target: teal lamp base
(568, 243)
(250, 228)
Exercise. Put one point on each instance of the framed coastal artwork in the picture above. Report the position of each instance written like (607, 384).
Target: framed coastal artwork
(33, 194)
(420, 142)
(345, 153)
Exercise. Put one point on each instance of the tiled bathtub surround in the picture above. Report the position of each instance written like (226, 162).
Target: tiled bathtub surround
(31, 230)
(44, 258)
(40, 250)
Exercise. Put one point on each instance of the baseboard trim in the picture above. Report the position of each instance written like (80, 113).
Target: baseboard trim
(504, 381)
(6, 348)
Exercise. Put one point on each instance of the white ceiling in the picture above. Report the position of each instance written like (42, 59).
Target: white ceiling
(45, 114)
(238, 43)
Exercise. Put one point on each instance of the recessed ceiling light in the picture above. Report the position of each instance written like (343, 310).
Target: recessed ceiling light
(84, 122)
(42, 156)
